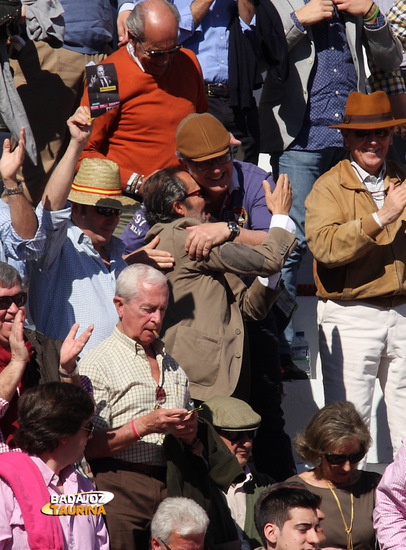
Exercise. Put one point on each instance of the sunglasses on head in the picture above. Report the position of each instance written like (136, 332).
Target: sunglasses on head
(339, 460)
(104, 211)
(380, 133)
(18, 299)
(234, 437)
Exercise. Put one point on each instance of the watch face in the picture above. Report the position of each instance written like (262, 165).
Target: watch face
(234, 230)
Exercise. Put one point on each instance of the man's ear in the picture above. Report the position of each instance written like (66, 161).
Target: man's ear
(271, 532)
(155, 545)
(179, 209)
(119, 303)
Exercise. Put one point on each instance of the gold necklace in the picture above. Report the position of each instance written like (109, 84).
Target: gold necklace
(348, 529)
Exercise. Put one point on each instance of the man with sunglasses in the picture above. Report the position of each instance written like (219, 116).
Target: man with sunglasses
(355, 229)
(27, 357)
(77, 259)
(159, 84)
(235, 199)
(237, 423)
(209, 303)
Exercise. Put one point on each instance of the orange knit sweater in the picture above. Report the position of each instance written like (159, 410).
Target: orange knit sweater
(139, 134)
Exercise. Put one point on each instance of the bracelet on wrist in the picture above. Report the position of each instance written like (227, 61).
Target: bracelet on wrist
(373, 16)
(134, 429)
(14, 190)
(369, 9)
(74, 372)
(134, 184)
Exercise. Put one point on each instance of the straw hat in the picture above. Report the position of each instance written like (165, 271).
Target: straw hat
(97, 183)
(201, 137)
(368, 112)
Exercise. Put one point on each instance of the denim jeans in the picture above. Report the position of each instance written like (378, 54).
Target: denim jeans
(303, 169)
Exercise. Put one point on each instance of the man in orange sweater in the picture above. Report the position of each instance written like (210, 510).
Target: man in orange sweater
(159, 84)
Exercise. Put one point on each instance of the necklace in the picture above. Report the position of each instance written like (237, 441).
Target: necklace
(348, 529)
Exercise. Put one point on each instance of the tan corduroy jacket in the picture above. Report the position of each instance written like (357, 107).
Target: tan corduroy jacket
(203, 328)
(356, 259)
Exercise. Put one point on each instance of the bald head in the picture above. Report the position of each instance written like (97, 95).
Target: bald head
(159, 17)
(153, 31)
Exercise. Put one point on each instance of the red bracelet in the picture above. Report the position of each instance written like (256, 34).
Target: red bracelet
(136, 434)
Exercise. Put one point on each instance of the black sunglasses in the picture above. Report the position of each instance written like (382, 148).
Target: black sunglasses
(197, 193)
(203, 165)
(103, 211)
(380, 133)
(18, 299)
(156, 53)
(160, 393)
(339, 460)
(89, 428)
(234, 437)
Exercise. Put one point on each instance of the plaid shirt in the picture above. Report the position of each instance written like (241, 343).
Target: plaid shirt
(392, 82)
(396, 17)
(124, 389)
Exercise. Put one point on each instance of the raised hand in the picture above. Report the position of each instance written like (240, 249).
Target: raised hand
(19, 352)
(394, 204)
(71, 348)
(11, 161)
(280, 200)
(79, 124)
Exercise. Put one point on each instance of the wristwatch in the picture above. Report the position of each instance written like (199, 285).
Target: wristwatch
(74, 372)
(234, 230)
(133, 186)
(14, 190)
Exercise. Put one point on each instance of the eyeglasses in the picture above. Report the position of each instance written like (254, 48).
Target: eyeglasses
(208, 164)
(18, 299)
(234, 437)
(164, 543)
(380, 133)
(339, 460)
(197, 193)
(89, 428)
(160, 393)
(104, 211)
(157, 53)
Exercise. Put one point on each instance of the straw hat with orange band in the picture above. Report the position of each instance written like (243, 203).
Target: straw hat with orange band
(97, 183)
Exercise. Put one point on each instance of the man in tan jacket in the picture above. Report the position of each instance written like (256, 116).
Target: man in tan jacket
(355, 229)
(208, 303)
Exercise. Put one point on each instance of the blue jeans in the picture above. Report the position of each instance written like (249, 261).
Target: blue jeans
(303, 169)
